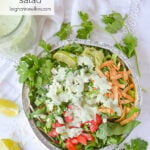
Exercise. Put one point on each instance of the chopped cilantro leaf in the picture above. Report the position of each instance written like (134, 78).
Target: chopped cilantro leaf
(45, 46)
(114, 22)
(64, 31)
(129, 47)
(86, 26)
(136, 144)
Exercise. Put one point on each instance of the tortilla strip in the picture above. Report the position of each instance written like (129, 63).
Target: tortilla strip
(99, 72)
(131, 86)
(129, 119)
(128, 96)
(122, 116)
(126, 101)
(107, 63)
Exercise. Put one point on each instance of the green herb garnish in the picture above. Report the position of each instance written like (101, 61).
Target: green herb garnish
(114, 22)
(65, 31)
(86, 26)
(136, 144)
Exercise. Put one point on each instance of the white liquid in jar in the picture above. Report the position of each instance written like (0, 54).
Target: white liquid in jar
(17, 34)
(8, 24)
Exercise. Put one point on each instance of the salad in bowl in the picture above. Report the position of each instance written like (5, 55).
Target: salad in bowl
(81, 96)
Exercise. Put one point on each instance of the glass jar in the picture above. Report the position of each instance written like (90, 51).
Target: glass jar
(17, 34)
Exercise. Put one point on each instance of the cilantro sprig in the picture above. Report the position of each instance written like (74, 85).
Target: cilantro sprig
(84, 31)
(35, 72)
(114, 22)
(136, 144)
(46, 46)
(64, 31)
(128, 47)
(86, 26)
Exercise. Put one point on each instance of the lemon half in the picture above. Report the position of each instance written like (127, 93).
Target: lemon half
(8, 144)
(8, 108)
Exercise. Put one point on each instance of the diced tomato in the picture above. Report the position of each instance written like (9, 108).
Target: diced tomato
(56, 142)
(82, 139)
(88, 136)
(87, 122)
(93, 126)
(72, 127)
(68, 119)
(74, 141)
(64, 113)
(70, 145)
(70, 107)
(53, 133)
(98, 119)
(57, 124)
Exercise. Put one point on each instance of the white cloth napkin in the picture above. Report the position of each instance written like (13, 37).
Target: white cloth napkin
(18, 128)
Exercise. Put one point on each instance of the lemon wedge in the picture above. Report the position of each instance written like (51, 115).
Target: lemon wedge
(8, 108)
(8, 144)
(66, 58)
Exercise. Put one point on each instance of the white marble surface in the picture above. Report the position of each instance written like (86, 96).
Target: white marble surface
(18, 128)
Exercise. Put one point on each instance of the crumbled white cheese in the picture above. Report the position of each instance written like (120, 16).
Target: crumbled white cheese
(59, 119)
(61, 73)
(100, 83)
(82, 114)
(49, 105)
(68, 133)
(84, 60)
(104, 120)
(54, 71)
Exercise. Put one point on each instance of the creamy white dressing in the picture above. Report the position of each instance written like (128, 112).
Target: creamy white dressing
(68, 133)
(100, 83)
(8, 24)
(84, 60)
(68, 86)
(82, 114)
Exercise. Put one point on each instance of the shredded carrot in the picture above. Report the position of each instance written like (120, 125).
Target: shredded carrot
(131, 86)
(125, 121)
(122, 116)
(99, 72)
(107, 63)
